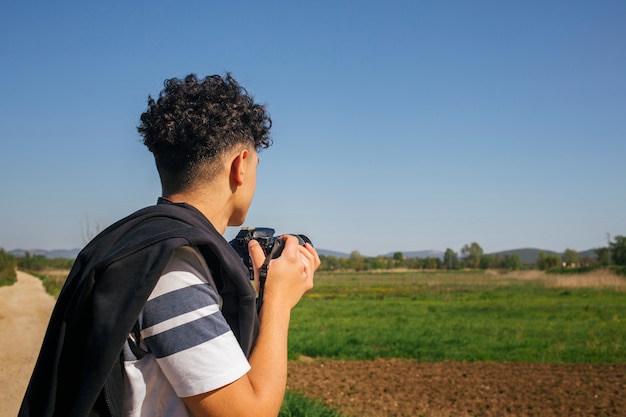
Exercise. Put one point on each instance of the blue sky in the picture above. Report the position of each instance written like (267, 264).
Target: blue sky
(398, 125)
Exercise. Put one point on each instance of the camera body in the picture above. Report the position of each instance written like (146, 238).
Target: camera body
(271, 245)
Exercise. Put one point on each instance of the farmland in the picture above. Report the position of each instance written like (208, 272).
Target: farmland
(473, 343)
(461, 316)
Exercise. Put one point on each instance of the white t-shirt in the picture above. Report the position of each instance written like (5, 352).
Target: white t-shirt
(186, 346)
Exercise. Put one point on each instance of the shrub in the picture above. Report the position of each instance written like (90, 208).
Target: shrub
(7, 268)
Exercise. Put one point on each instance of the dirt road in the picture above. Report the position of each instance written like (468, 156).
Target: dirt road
(24, 312)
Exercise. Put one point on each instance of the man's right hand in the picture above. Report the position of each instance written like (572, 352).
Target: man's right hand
(290, 275)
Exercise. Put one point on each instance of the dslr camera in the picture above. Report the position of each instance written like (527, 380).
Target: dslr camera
(272, 245)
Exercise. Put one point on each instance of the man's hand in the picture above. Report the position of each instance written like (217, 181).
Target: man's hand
(290, 275)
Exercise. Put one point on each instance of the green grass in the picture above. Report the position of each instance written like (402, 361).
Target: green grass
(7, 277)
(434, 317)
(52, 280)
(296, 405)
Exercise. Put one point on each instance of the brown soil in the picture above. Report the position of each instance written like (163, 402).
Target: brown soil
(401, 388)
(373, 388)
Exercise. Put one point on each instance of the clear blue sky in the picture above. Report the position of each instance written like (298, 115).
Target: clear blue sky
(398, 125)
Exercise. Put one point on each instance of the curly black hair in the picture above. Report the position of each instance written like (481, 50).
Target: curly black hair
(195, 121)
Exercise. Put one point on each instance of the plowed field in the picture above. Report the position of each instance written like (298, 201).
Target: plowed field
(401, 388)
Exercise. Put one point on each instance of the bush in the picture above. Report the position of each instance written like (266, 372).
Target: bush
(619, 269)
(567, 270)
(40, 263)
(52, 280)
(7, 268)
(7, 277)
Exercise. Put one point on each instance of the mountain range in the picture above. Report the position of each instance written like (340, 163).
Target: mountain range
(52, 254)
(527, 255)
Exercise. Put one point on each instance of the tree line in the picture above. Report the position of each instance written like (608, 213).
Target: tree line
(472, 256)
(33, 263)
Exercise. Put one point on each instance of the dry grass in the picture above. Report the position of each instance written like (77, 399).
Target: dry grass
(593, 279)
(532, 275)
(57, 276)
(53, 280)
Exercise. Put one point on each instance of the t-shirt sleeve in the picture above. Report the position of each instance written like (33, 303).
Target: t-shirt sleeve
(184, 328)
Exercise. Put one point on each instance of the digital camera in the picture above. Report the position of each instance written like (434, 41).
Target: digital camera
(272, 245)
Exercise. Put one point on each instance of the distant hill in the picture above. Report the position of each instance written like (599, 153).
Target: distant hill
(410, 254)
(589, 253)
(527, 255)
(419, 254)
(531, 255)
(336, 254)
(51, 254)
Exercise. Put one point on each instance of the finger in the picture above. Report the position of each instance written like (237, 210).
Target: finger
(316, 256)
(311, 254)
(257, 256)
(308, 272)
(290, 242)
(309, 266)
(306, 263)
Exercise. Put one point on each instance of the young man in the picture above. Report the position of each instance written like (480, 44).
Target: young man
(158, 316)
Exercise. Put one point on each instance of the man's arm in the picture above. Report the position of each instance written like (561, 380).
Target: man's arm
(260, 392)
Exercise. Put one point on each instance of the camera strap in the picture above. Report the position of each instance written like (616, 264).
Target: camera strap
(262, 278)
(274, 252)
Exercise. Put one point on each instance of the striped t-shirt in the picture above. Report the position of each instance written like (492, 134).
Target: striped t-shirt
(183, 345)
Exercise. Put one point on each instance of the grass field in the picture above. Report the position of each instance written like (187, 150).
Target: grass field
(476, 316)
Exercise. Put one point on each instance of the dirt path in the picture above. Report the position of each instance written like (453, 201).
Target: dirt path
(24, 312)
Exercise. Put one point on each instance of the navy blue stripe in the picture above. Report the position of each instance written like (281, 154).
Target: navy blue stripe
(175, 303)
(188, 335)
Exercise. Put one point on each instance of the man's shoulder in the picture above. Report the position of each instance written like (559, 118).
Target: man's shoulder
(153, 224)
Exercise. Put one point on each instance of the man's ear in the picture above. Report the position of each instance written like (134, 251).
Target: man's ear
(237, 167)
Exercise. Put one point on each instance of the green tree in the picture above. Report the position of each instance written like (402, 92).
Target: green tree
(398, 260)
(602, 256)
(450, 259)
(329, 263)
(489, 261)
(356, 261)
(380, 262)
(7, 268)
(570, 257)
(512, 262)
(618, 250)
(413, 263)
(546, 262)
(432, 263)
(472, 254)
